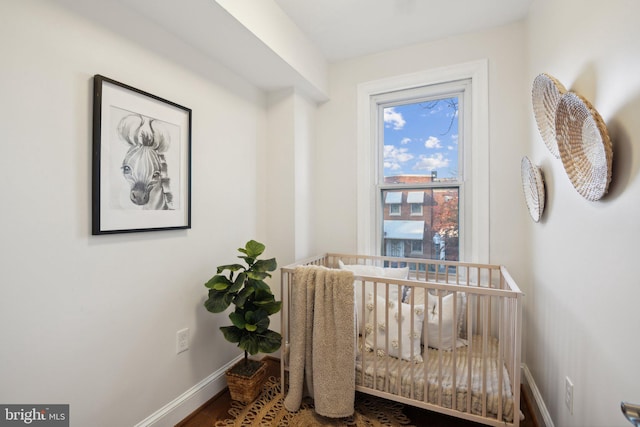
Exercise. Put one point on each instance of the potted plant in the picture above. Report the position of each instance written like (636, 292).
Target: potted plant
(245, 288)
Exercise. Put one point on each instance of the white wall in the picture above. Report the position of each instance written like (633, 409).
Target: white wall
(583, 300)
(92, 320)
(337, 134)
(273, 27)
(288, 205)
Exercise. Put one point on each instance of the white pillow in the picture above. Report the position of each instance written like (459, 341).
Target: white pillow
(420, 298)
(449, 334)
(407, 348)
(372, 270)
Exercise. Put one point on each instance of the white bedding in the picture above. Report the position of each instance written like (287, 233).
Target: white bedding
(401, 377)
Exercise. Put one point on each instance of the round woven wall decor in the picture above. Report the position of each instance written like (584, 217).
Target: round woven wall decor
(546, 94)
(584, 146)
(533, 188)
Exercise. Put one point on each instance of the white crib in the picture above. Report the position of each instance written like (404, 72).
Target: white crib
(443, 336)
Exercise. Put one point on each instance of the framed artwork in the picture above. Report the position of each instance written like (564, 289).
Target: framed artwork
(141, 161)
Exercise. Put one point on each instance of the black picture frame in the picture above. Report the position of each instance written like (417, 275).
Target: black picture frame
(141, 177)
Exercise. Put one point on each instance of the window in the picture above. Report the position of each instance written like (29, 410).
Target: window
(440, 167)
(393, 200)
(416, 200)
(420, 141)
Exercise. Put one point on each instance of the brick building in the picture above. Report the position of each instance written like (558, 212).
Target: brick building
(420, 222)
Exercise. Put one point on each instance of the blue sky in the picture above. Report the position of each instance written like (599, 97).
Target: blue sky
(420, 138)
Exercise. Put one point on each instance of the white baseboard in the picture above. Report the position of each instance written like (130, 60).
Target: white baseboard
(182, 406)
(546, 417)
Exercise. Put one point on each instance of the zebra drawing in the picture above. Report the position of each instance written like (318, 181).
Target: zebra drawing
(144, 165)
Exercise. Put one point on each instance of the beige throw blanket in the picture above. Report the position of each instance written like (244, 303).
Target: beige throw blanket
(322, 356)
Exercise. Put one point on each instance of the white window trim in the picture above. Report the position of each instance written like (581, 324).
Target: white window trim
(416, 205)
(399, 213)
(476, 219)
(419, 251)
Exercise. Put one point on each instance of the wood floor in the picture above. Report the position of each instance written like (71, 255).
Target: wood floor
(216, 409)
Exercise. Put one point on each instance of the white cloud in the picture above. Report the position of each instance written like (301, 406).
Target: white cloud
(394, 157)
(431, 162)
(432, 142)
(405, 141)
(394, 166)
(393, 118)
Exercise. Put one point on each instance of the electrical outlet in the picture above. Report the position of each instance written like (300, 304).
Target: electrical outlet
(568, 394)
(182, 340)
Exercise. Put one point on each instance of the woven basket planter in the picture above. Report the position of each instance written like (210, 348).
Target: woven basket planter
(246, 389)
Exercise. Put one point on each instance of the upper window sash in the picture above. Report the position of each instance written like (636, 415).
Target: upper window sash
(422, 94)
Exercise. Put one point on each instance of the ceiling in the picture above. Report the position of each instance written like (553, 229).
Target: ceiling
(344, 29)
(196, 33)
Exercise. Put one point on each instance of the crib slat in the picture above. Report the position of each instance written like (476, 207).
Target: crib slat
(485, 356)
(500, 358)
(425, 373)
(440, 355)
(454, 348)
(411, 335)
(469, 347)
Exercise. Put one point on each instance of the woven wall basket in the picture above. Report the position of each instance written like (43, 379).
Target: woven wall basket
(533, 188)
(584, 146)
(546, 94)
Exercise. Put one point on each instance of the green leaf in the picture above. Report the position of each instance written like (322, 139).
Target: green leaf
(269, 342)
(217, 282)
(259, 319)
(249, 343)
(263, 292)
(262, 324)
(271, 307)
(253, 249)
(232, 334)
(257, 275)
(250, 317)
(235, 287)
(247, 259)
(237, 319)
(256, 321)
(218, 301)
(265, 265)
(261, 287)
(230, 267)
(241, 299)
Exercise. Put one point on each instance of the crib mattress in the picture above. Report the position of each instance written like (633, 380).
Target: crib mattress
(407, 379)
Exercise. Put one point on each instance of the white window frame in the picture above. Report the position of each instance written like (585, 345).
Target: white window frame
(474, 225)
(418, 209)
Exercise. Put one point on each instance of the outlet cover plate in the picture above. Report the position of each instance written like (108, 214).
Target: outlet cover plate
(568, 394)
(182, 340)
